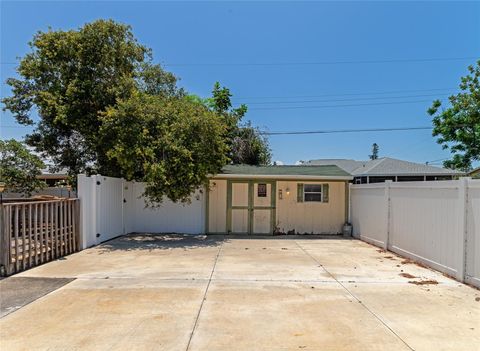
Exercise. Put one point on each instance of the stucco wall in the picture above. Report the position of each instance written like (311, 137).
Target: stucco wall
(311, 217)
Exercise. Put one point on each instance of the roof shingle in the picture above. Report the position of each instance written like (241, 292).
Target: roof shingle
(318, 171)
(386, 166)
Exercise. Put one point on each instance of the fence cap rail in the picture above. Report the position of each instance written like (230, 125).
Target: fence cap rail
(36, 201)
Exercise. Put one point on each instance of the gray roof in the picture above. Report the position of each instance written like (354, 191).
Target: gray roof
(310, 171)
(345, 164)
(385, 166)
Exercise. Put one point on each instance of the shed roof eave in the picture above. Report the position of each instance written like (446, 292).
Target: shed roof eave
(280, 177)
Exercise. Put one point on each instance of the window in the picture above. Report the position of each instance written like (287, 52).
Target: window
(262, 190)
(312, 192)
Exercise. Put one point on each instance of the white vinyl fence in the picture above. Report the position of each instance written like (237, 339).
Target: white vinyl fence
(112, 206)
(436, 223)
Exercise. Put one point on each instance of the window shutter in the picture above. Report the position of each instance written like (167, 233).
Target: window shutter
(325, 192)
(299, 192)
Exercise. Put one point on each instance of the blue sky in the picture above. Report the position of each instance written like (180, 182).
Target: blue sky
(292, 63)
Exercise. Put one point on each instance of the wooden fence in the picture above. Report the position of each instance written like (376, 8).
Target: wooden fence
(35, 232)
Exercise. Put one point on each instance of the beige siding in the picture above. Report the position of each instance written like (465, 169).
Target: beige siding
(240, 194)
(239, 221)
(217, 211)
(310, 217)
(302, 217)
(262, 201)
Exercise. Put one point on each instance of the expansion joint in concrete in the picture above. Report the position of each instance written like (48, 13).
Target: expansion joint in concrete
(204, 298)
(354, 296)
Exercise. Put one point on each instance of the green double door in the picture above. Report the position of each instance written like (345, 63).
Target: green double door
(251, 207)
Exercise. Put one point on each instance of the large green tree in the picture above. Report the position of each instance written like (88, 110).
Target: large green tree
(104, 107)
(246, 144)
(70, 78)
(19, 168)
(458, 126)
(250, 147)
(172, 144)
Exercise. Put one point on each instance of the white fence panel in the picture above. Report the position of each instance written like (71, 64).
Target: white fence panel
(436, 223)
(112, 206)
(369, 218)
(426, 225)
(169, 217)
(472, 271)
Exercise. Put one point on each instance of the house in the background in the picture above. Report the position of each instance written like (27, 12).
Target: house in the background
(53, 179)
(475, 173)
(277, 199)
(56, 185)
(386, 168)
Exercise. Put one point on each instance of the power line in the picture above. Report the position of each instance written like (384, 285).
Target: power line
(345, 131)
(346, 62)
(312, 63)
(336, 100)
(437, 161)
(343, 94)
(336, 131)
(333, 106)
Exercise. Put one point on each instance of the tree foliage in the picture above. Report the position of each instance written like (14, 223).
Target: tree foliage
(105, 108)
(375, 149)
(19, 168)
(171, 144)
(70, 78)
(250, 147)
(245, 143)
(458, 126)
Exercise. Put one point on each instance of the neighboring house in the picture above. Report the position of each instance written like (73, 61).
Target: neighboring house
(277, 199)
(53, 179)
(56, 186)
(475, 174)
(386, 168)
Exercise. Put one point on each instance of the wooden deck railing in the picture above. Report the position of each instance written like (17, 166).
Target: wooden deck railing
(35, 232)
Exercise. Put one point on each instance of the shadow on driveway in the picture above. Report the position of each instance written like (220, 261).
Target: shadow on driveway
(168, 241)
(150, 242)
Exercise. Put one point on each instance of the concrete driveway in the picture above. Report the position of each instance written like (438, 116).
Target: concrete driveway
(142, 292)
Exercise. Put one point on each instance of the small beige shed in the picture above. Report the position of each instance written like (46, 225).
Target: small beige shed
(277, 199)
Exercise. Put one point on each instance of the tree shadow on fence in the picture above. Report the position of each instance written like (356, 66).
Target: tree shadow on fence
(151, 241)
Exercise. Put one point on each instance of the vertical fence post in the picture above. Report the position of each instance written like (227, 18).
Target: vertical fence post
(31, 242)
(388, 214)
(87, 225)
(24, 236)
(4, 242)
(463, 208)
(349, 200)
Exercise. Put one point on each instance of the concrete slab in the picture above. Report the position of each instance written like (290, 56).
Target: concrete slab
(288, 316)
(263, 260)
(145, 292)
(428, 317)
(166, 257)
(107, 314)
(16, 292)
(357, 261)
